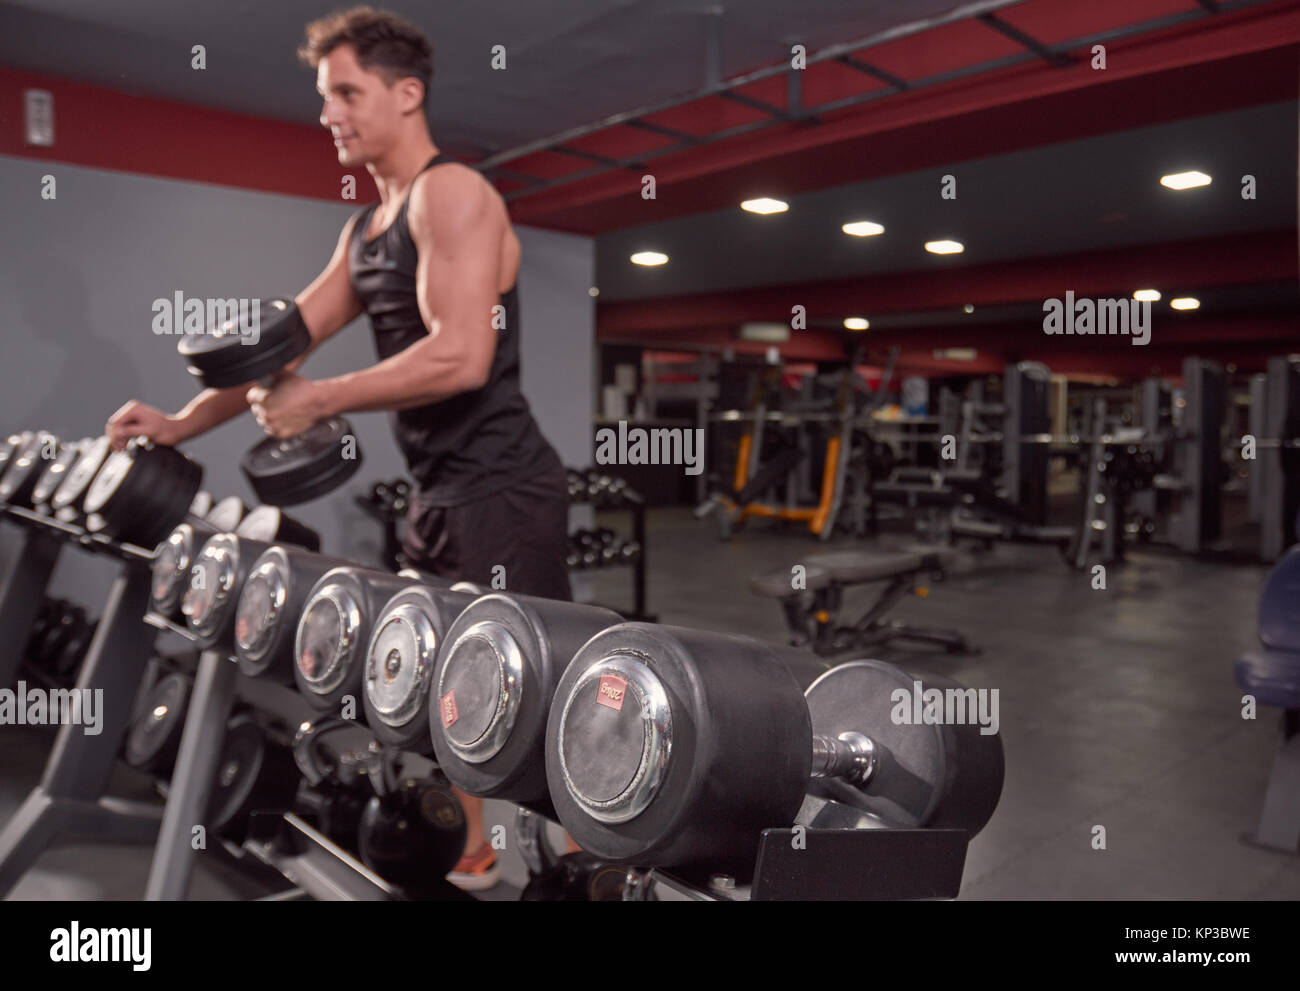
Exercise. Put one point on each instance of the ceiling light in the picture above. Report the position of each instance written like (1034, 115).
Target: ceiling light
(968, 308)
(765, 205)
(1147, 295)
(856, 323)
(649, 258)
(593, 292)
(1185, 180)
(1185, 303)
(863, 228)
(944, 247)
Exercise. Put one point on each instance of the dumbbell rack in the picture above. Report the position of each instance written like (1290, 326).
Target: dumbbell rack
(636, 505)
(71, 796)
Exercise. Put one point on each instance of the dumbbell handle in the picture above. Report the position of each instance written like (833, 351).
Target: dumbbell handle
(850, 756)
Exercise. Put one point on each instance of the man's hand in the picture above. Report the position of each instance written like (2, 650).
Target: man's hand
(289, 406)
(136, 419)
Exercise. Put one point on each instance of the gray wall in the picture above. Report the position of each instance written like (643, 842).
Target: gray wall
(79, 274)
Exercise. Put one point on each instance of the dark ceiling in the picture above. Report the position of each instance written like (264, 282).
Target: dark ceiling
(1077, 196)
(568, 62)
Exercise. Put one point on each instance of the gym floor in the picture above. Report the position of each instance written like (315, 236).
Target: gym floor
(1117, 709)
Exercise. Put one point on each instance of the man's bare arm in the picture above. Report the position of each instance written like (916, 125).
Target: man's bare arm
(327, 305)
(457, 227)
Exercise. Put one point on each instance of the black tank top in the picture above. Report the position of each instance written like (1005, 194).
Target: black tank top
(470, 445)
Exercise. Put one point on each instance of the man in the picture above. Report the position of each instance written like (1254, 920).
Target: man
(434, 264)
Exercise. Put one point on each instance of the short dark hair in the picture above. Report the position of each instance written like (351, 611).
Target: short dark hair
(385, 43)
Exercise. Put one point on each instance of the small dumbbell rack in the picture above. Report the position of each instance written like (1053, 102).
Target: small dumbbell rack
(633, 501)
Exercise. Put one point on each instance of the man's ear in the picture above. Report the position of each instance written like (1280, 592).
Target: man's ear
(410, 93)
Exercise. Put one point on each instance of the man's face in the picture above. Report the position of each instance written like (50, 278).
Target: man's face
(361, 111)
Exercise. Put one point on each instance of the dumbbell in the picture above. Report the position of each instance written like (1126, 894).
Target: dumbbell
(154, 739)
(334, 631)
(673, 747)
(216, 579)
(66, 502)
(202, 505)
(491, 688)
(399, 660)
(274, 526)
(338, 789)
(24, 469)
(412, 831)
(254, 774)
(281, 472)
(270, 603)
(51, 608)
(170, 570)
(12, 446)
(66, 664)
(54, 474)
(577, 877)
(226, 514)
(69, 626)
(142, 492)
(629, 551)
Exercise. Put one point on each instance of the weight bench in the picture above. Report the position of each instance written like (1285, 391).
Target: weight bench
(811, 612)
(1272, 676)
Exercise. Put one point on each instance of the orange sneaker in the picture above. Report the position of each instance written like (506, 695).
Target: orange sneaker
(476, 871)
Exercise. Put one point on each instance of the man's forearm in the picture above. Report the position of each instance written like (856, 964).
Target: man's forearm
(412, 378)
(211, 408)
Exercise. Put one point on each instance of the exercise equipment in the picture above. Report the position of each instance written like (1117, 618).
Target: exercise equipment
(671, 747)
(253, 774)
(270, 603)
(412, 831)
(66, 502)
(399, 663)
(54, 474)
(154, 738)
(281, 472)
(334, 631)
(812, 603)
(272, 525)
(24, 470)
(338, 789)
(226, 514)
(492, 683)
(171, 566)
(142, 493)
(216, 580)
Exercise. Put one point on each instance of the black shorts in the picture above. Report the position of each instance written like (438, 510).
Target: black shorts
(523, 529)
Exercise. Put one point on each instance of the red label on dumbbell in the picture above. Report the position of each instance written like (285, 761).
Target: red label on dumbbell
(612, 691)
(449, 713)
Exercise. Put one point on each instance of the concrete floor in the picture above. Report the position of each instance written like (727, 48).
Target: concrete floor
(1118, 708)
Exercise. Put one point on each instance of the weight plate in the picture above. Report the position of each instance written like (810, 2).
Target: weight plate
(234, 354)
(302, 468)
(171, 569)
(930, 774)
(11, 446)
(71, 493)
(237, 771)
(155, 738)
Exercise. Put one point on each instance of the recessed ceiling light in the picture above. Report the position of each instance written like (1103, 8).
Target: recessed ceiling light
(1185, 180)
(863, 228)
(944, 247)
(968, 308)
(1185, 303)
(1147, 295)
(593, 291)
(765, 205)
(649, 258)
(856, 323)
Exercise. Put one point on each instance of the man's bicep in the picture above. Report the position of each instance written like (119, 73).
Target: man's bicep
(457, 285)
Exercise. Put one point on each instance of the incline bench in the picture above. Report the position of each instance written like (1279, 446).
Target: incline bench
(811, 611)
(1272, 676)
